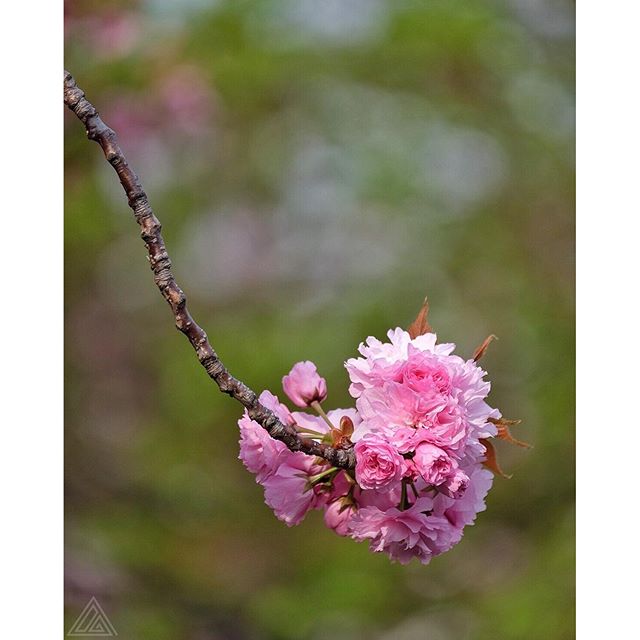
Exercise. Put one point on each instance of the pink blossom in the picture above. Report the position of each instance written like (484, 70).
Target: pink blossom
(410, 470)
(421, 415)
(462, 511)
(403, 535)
(381, 362)
(426, 373)
(455, 485)
(378, 464)
(310, 423)
(259, 452)
(406, 439)
(303, 385)
(393, 406)
(338, 515)
(268, 400)
(287, 490)
(433, 464)
(384, 361)
(340, 486)
(380, 498)
(447, 427)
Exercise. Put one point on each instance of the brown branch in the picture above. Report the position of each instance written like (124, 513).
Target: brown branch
(160, 263)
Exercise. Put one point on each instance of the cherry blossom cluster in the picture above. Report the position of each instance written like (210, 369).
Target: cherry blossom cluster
(419, 431)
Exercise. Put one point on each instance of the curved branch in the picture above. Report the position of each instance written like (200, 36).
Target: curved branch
(160, 262)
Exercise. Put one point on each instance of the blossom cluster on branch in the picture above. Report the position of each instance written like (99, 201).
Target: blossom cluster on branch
(420, 430)
(403, 469)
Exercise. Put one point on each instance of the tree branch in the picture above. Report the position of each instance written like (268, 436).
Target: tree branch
(160, 262)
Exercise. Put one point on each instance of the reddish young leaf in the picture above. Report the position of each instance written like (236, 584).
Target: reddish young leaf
(341, 437)
(421, 325)
(481, 350)
(504, 431)
(491, 461)
(346, 426)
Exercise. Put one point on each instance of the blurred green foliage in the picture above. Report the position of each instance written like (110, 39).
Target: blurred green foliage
(319, 167)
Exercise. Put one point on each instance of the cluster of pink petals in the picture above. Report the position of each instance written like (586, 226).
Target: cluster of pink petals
(419, 420)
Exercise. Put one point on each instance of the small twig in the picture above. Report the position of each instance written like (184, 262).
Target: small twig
(160, 263)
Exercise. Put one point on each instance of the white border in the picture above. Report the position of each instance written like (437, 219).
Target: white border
(608, 318)
(608, 327)
(31, 245)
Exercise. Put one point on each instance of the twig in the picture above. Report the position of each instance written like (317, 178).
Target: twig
(160, 263)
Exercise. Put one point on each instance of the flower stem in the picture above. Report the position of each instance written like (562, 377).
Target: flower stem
(311, 432)
(319, 476)
(320, 411)
(403, 497)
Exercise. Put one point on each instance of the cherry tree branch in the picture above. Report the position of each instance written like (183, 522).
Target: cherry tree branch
(150, 231)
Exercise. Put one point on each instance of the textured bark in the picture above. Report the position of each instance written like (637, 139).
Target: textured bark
(150, 231)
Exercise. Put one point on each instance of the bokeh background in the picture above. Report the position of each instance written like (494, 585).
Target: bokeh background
(319, 166)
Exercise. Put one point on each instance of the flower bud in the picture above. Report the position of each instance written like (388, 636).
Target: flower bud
(338, 515)
(303, 385)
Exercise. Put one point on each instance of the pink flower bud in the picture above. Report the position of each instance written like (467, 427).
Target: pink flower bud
(303, 385)
(378, 463)
(337, 516)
